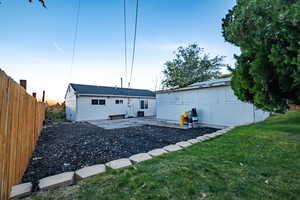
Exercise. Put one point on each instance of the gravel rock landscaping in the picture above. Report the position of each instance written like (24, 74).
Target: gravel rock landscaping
(71, 146)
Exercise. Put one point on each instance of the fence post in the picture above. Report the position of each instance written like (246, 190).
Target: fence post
(43, 99)
(23, 83)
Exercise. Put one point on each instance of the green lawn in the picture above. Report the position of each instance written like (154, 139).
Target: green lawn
(259, 161)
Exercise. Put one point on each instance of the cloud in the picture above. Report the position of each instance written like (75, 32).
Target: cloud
(58, 48)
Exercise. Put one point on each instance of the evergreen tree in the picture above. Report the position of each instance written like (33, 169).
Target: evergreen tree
(267, 72)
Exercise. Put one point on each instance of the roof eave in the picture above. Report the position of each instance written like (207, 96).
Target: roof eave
(108, 95)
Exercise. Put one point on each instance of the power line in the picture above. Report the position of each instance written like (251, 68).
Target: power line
(125, 40)
(134, 39)
(75, 38)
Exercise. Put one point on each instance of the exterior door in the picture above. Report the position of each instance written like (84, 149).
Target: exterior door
(130, 108)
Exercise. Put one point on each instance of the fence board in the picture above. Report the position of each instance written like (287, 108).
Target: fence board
(21, 118)
(5, 143)
(3, 111)
(2, 86)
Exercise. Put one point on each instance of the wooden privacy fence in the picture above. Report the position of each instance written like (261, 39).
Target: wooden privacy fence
(21, 118)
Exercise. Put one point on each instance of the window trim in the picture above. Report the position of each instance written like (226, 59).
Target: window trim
(97, 102)
(119, 101)
(144, 105)
(93, 102)
(102, 100)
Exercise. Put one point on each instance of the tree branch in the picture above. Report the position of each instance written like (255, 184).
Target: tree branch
(42, 2)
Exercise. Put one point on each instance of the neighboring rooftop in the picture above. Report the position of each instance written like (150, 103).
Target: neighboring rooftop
(199, 85)
(214, 82)
(114, 91)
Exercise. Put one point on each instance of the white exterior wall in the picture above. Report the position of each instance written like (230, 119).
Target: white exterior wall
(87, 111)
(70, 102)
(216, 106)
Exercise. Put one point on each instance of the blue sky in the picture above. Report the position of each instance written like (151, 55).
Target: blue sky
(36, 43)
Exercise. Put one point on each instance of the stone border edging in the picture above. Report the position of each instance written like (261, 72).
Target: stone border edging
(70, 178)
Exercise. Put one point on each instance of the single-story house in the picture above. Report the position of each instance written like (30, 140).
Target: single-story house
(215, 103)
(90, 102)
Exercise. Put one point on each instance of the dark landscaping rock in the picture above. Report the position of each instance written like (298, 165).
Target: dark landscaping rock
(72, 146)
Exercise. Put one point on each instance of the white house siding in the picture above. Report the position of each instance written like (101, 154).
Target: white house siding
(134, 107)
(87, 111)
(70, 102)
(216, 106)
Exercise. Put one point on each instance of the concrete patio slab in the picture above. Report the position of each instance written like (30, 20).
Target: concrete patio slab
(133, 122)
(183, 144)
(118, 164)
(55, 181)
(140, 157)
(89, 171)
(157, 152)
(21, 190)
(172, 148)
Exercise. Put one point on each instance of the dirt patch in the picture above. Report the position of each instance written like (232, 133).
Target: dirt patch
(71, 146)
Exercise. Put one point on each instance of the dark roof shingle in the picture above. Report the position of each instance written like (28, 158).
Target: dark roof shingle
(104, 90)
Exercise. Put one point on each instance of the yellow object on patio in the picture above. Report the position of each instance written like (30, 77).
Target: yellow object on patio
(182, 120)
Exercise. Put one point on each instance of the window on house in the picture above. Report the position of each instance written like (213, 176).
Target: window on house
(144, 104)
(118, 101)
(95, 102)
(101, 101)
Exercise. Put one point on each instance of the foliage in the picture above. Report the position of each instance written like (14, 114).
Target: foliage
(191, 65)
(258, 161)
(267, 72)
(52, 115)
(55, 112)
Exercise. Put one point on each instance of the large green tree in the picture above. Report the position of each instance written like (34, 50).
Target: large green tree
(267, 71)
(190, 65)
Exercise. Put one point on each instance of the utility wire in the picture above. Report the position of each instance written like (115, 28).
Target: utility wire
(125, 41)
(75, 38)
(134, 39)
